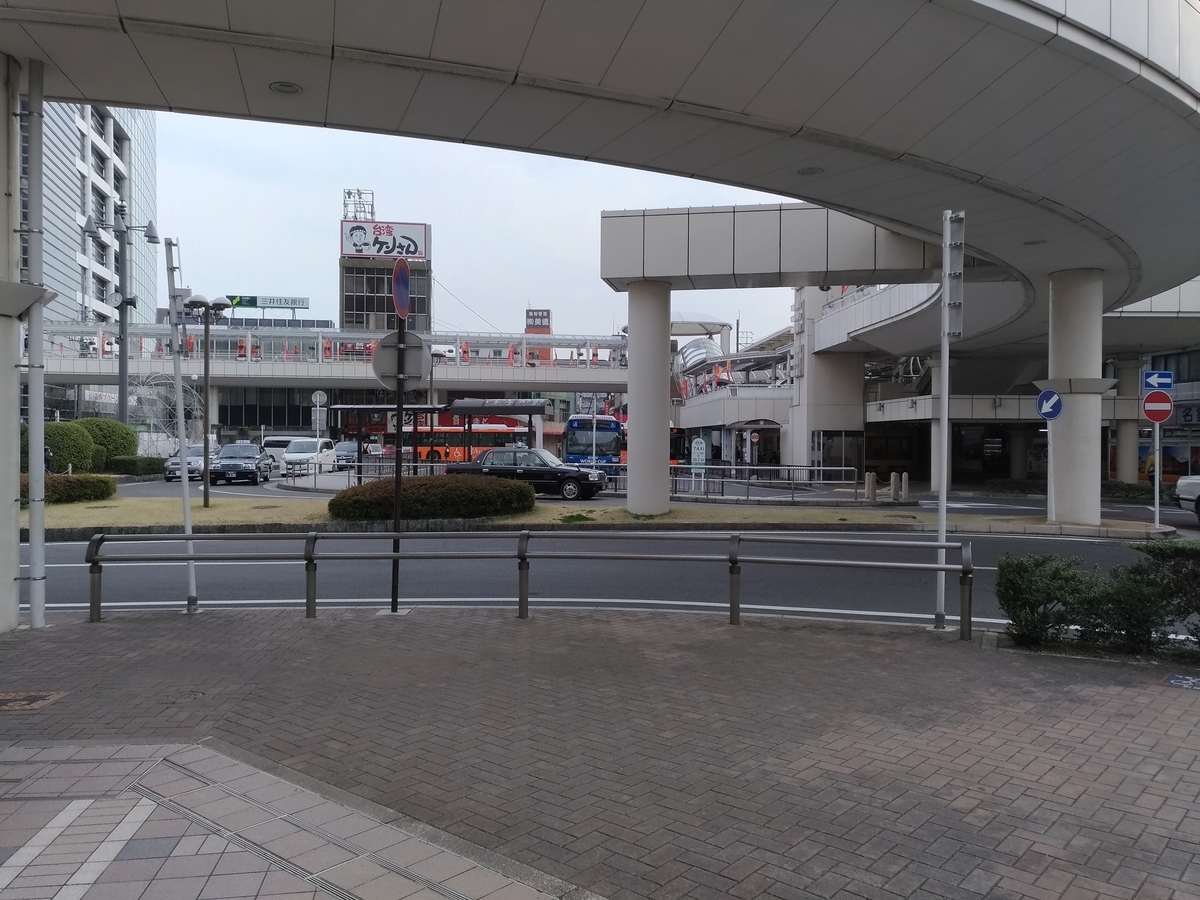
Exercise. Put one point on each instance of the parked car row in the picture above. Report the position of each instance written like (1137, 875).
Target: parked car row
(540, 469)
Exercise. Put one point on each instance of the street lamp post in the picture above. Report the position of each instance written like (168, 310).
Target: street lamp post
(206, 308)
(121, 231)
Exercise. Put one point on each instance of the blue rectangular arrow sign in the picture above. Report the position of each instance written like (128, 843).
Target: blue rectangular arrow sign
(1158, 381)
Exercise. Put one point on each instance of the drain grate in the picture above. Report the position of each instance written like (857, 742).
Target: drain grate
(184, 696)
(1181, 681)
(27, 701)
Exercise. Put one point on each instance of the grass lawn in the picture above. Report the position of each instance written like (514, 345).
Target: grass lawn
(137, 512)
(145, 511)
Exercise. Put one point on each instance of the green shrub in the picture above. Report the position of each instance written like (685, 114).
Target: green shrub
(24, 448)
(115, 437)
(72, 488)
(136, 465)
(1132, 490)
(71, 445)
(434, 497)
(99, 458)
(1179, 562)
(1132, 610)
(1039, 595)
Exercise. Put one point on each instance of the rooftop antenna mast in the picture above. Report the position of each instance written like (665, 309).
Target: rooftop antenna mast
(358, 205)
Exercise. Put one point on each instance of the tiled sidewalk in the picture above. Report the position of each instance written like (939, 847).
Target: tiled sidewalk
(182, 822)
(646, 755)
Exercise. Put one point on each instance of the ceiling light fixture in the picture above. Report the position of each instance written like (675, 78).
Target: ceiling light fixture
(1035, 242)
(811, 170)
(285, 87)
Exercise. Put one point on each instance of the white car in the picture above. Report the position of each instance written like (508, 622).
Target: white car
(1187, 494)
(306, 455)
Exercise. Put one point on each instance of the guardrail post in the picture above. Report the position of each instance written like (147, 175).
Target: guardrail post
(965, 588)
(310, 575)
(523, 575)
(735, 581)
(95, 571)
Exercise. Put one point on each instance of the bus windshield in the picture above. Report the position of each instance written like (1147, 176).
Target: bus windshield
(607, 433)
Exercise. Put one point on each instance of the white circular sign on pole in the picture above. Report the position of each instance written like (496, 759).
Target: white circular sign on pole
(319, 398)
(418, 361)
(754, 437)
(1157, 406)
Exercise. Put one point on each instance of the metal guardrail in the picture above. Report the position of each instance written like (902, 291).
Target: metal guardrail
(731, 555)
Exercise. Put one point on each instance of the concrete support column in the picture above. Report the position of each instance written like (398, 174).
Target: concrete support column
(1129, 384)
(1018, 453)
(1076, 370)
(649, 398)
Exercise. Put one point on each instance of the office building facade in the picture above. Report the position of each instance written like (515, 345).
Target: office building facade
(95, 159)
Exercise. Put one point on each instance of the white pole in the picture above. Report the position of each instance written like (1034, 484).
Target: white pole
(176, 301)
(593, 428)
(1157, 471)
(37, 370)
(939, 618)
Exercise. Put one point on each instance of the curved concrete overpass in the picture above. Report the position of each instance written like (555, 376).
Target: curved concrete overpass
(1066, 129)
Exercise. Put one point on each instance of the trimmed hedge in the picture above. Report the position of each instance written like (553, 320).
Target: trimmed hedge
(136, 465)
(1135, 609)
(1109, 489)
(99, 458)
(1039, 595)
(116, 438)
(73, 488)
(1179, 564)
(71, 445)
(434, 497)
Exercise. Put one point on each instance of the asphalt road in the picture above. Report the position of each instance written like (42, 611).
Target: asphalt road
(855, 591)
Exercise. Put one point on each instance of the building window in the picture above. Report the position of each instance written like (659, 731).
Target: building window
(98, 162)
(99, 288)
(97, 121)
(98, 207)
(98, 253)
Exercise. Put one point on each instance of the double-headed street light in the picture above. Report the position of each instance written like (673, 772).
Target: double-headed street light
(205, 308)
(121, 231)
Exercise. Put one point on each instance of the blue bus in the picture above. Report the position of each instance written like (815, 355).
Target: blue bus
(605, 434)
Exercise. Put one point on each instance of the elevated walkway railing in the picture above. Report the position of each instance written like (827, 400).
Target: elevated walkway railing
(724, 548)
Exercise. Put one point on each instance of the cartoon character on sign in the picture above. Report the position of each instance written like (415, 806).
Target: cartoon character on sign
(358, 238)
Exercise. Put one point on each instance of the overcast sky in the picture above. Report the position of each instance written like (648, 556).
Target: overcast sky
(256, 208)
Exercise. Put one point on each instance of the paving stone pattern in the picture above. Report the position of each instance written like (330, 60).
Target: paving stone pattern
(666, 756)
(185, 823)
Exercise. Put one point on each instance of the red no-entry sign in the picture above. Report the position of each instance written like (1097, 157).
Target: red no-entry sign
(1157, 406)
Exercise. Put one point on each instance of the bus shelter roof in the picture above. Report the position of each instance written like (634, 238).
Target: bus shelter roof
(501, 407)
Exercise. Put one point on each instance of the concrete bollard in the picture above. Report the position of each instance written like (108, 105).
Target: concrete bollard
(904, 486)
(895, 485)
(869, 486)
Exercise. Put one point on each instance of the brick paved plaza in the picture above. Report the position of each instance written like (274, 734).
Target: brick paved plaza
(667, 755)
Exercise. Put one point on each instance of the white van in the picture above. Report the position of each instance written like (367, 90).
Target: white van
(275, 444)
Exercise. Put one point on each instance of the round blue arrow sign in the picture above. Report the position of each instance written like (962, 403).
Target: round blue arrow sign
(1049, 405)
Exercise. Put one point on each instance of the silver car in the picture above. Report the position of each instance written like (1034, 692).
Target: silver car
(195, 464)
(1187, 494)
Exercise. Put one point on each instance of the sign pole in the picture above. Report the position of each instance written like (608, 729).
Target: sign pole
(1157, 470)
(400, 281)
